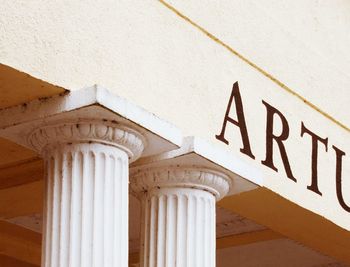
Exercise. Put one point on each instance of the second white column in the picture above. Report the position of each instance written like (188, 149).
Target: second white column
(178, 215)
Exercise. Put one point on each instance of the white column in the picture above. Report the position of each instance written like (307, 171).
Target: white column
(178, 215)
(86, 192)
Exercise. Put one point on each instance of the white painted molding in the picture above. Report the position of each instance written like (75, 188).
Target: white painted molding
(199, 153)
(104, 132)
(225, 159)
(214, 182)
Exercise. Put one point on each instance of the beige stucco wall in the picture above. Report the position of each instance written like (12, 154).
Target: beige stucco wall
(74, 43)
(305, 44)
(145, 52)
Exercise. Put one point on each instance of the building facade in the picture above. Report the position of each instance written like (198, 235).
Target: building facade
(174, 133)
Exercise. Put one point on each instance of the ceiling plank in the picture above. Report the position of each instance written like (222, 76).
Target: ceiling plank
(21, 200)
(20, 243)
(11, 262)
(134, 259)
(21, 173)
(12, 153)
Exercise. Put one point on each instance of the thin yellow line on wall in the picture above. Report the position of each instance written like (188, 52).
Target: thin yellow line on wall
(246, 60)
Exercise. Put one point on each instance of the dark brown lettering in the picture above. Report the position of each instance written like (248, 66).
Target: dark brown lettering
(338, 175)
(270, 137)
(240, 122)
(314, 141)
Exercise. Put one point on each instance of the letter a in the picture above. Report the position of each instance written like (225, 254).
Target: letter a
(240, 122)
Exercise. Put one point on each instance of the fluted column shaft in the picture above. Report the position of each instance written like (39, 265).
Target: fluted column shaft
(86, 200)
(178, 216)
(86, 193)
(178, 228)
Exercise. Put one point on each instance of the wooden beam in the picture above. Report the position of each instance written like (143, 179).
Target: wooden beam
(247, 238)
(11, 262)
(19, 243)
(134, 259)
(12, 153)
(21, 172)
(21, 200)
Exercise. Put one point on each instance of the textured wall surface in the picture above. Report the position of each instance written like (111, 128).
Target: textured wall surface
(76, 44)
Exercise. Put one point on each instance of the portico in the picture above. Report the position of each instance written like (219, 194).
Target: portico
(174, 133)
(87, 150)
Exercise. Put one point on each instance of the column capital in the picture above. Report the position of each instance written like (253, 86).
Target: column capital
(106, 132)
(87, 139)
(196, 164)
(194, 177)
(178, 190)
(91, 114)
